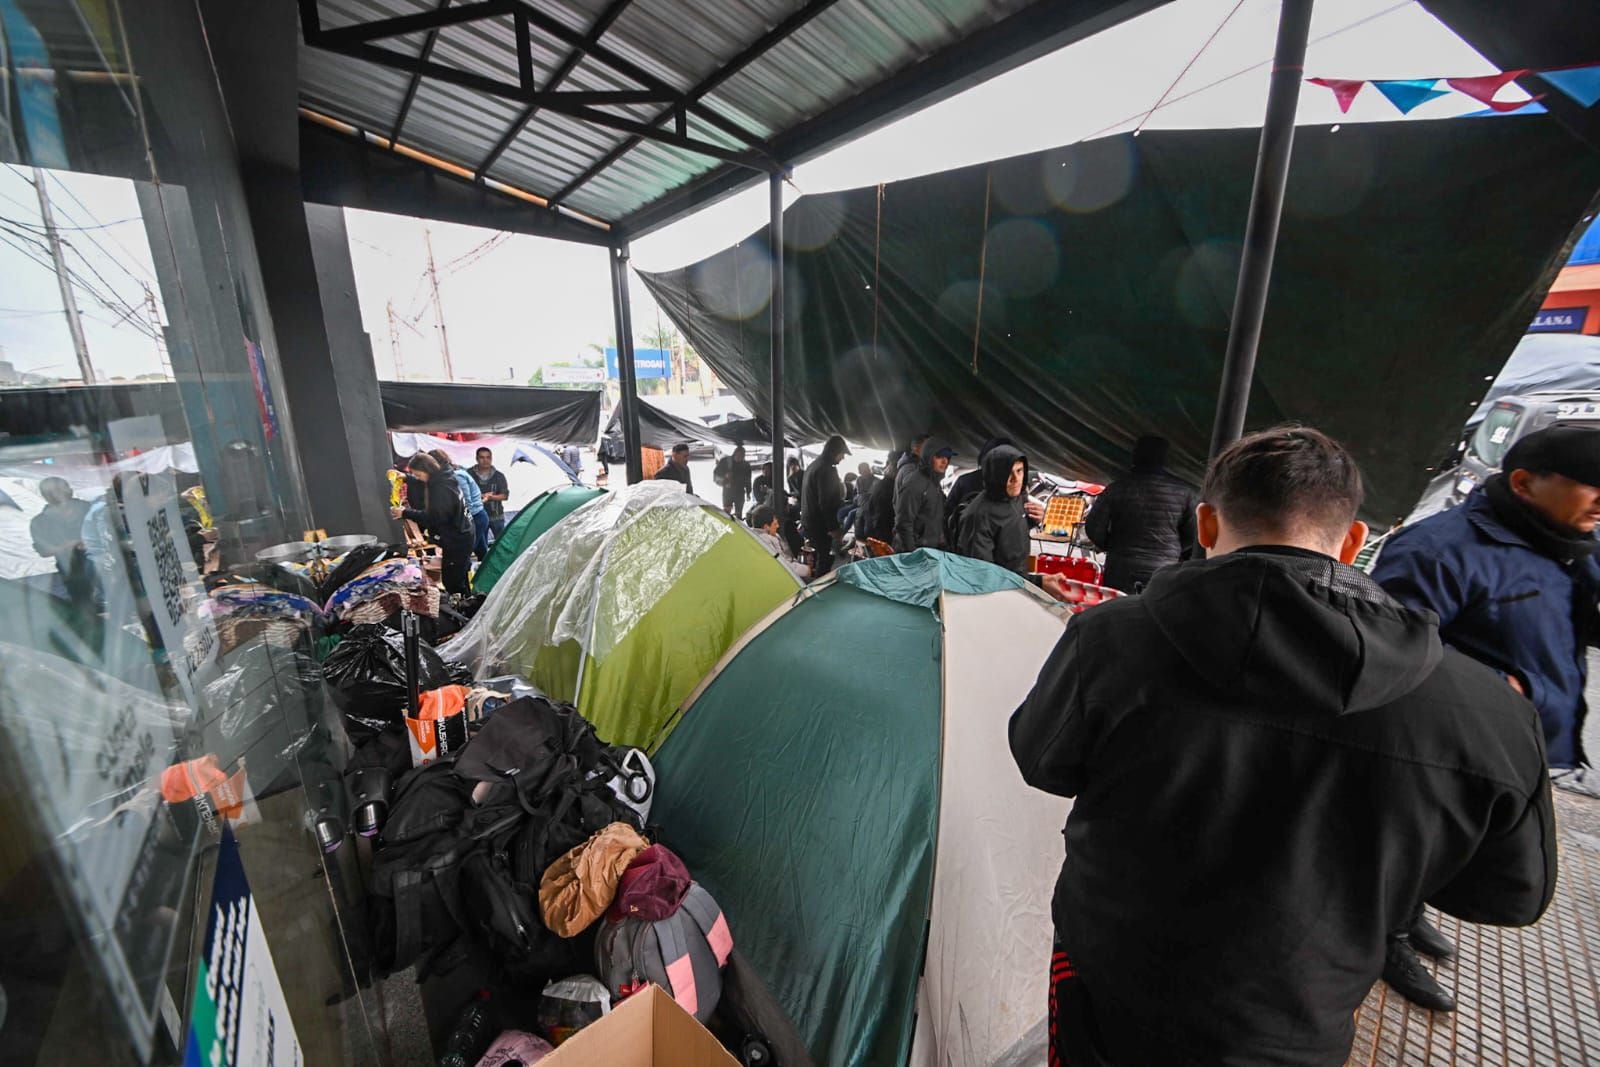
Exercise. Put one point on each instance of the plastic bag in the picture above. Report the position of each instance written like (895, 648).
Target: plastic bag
(367, 674)
(569, 1005)
(516, 1046)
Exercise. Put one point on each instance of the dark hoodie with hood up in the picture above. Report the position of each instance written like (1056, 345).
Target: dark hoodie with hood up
(1274, 763)
(994, 526)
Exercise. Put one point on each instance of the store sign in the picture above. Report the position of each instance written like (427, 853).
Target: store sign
(167, 568)
(239, 1017)
(647, 363)
(574, 375)
(1559, 320)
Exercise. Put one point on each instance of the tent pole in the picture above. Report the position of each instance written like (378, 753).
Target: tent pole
(1261, 230)
(625, 368)
(775, 241)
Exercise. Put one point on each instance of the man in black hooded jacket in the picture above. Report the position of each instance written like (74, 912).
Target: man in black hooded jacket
(994, 524)
(1274, 763)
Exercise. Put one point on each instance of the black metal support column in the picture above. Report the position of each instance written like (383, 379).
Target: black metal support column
(780, 484)
(1261, 231)
(630, 384)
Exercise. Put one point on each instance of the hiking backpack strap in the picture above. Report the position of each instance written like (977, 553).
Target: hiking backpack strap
(712, 923)
(680, 967)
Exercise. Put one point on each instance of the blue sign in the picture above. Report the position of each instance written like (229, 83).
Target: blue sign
(647, 363)
(1559, 320)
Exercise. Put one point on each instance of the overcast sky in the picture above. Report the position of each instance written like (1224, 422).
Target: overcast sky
(516, 303)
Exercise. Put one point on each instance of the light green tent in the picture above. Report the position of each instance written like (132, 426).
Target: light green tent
(843, 785)
(624, 605)
(542, 512)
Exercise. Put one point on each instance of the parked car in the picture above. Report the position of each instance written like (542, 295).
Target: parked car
(1507, 420)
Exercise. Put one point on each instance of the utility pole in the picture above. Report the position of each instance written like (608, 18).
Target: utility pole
(438, 308)
(394, 346)
(69, 303)
(153, 311)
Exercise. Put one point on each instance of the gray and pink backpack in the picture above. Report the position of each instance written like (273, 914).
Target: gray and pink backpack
(664, 929)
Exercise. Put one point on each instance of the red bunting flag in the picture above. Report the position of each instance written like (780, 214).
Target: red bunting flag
(1344, 90)
(1484, 89)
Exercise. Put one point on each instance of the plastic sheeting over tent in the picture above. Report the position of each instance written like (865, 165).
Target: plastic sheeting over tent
(560, 416)
(1077, 298)
(1543, 362)
(531, 523)
(843, 785)
(623, 607)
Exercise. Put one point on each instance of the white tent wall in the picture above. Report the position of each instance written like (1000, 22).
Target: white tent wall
(999, 847)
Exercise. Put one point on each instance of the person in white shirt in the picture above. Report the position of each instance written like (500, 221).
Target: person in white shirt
(764, 524)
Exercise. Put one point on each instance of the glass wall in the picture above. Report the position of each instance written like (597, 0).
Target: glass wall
(174, 868)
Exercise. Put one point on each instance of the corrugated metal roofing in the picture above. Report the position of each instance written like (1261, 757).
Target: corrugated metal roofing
(848, 47)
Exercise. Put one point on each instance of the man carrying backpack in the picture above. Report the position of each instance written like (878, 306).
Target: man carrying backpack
(1274, 764)
(732, 473)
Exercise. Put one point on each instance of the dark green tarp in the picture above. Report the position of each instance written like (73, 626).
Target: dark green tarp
(1412, 256)
(828, 897)
(541, 513)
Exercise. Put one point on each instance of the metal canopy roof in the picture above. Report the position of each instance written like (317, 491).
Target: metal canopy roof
(623, 115)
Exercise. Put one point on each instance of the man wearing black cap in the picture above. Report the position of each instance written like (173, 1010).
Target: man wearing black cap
(919, 501)
(1513, 575)
(821, 498)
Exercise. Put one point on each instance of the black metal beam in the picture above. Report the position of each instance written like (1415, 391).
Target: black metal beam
(416, 79)
(437, 19)
(347, 170)
(568, 65)
(780, 483)
(1261, 228)
(632, 71)
(524, 53)
(575, 103)
(1036, 30)
(755, 50)
(625, 370)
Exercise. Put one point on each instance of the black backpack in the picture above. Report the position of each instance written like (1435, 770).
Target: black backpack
(446, 868)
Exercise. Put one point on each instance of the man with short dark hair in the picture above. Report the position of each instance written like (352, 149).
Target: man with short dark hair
(676, 469)
(821, 498)
(1274, 762)
(1144, 520)
(493, 489)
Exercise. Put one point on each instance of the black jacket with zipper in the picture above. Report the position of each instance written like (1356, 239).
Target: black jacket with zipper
(1143, 521)
(1274, 763)
(994, 526)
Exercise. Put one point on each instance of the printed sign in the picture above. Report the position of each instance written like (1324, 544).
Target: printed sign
(239, 1017)
(166, 565)
(647, 363)
(1558, 320)
(574, 375)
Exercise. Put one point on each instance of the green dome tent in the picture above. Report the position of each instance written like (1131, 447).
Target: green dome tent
(541, 513)
(842, 783)
(624, 606)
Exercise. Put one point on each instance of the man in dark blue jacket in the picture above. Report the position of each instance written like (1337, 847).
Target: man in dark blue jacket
(1514, 578)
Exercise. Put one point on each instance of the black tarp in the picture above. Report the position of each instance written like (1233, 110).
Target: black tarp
(663, 430)
(32, 412)
(561, 416)
(557, 415)
(1412, 256)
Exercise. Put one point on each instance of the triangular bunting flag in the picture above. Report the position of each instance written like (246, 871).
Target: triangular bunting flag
(1580, 83)
(1344, 90)
(1483, 89)
(1409, 93)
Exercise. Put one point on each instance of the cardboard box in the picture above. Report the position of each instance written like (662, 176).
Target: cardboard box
(646, 1030)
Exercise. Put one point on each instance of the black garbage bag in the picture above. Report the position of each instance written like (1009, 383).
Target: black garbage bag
(367, 675)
